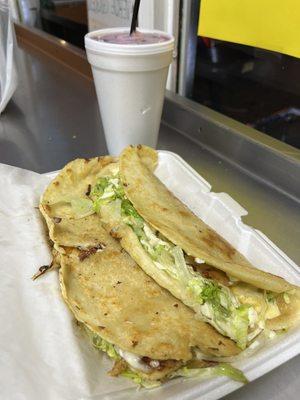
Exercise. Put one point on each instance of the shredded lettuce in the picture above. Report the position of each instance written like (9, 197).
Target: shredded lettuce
(218, 305)
(99, 188)
(82, 207)
(220, 309)
(221, 369)
(210, 291)
(210, 372)
(105, 346)
(186, 372)
(105, 191)
(270, 297)
(240, 325)
(131, 217)
(102, 344)
(184, 272)
(129, 211)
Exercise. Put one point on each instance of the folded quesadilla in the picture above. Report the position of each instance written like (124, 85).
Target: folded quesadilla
(185, 256)
(149, 334)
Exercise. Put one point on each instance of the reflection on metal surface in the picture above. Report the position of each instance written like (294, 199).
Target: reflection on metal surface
(242, 145)
(248, 84)
(188, 46)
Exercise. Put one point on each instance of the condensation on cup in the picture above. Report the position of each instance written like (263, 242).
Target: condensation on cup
(130, 75)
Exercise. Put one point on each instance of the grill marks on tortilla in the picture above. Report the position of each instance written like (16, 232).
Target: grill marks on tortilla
(127, 314)
(212, 273)
(89, 188)
(213, 240)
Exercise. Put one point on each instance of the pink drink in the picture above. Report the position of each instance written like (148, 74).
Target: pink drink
(135, 38)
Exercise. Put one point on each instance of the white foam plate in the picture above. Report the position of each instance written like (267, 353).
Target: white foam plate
(222, 213)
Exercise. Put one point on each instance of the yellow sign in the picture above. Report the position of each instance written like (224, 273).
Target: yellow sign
(269, 24)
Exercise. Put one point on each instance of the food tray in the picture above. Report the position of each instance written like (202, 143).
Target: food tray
(49, 357)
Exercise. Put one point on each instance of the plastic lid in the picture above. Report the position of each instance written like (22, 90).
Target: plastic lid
(97, 46)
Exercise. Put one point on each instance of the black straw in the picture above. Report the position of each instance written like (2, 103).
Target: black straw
(135, 16)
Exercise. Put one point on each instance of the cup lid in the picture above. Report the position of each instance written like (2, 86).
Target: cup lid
(94, 45)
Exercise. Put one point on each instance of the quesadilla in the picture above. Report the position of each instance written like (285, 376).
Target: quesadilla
(186, 257)
(149, 334)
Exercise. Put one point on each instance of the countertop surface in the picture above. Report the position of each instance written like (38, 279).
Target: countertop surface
(54, 118)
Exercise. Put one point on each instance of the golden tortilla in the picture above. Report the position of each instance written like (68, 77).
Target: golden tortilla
(103, 286)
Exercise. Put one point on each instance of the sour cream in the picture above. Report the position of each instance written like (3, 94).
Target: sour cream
(133, 360)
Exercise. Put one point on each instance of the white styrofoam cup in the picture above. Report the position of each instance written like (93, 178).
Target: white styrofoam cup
(130, 81)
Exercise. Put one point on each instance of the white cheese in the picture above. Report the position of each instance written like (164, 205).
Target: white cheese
(272, 334)
(252, 316)
(133, 360)
(108, 193)
(152, 239)
(199, 261)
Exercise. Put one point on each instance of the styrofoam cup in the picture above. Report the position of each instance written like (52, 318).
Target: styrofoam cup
(130, 81)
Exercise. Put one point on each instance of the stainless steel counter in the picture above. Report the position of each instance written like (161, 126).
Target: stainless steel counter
(54, 118)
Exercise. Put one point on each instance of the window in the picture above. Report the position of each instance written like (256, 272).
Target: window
(257, 87)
